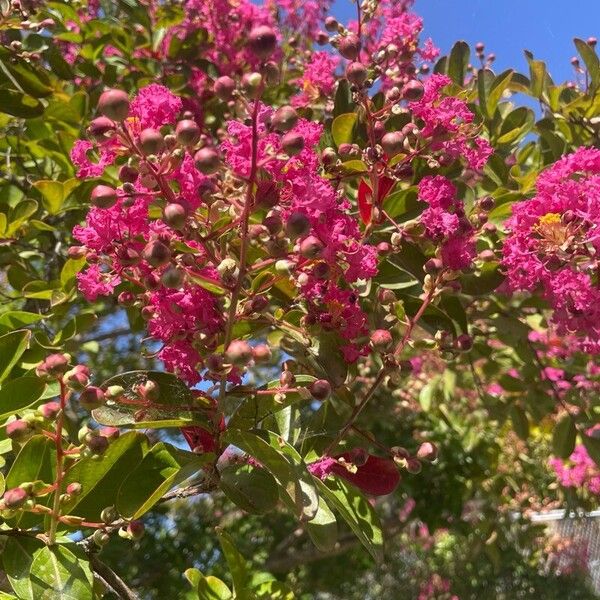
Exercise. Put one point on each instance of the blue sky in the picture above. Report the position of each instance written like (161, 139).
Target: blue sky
(507, 27)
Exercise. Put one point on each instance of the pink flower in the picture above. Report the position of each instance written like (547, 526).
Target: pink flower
(155, 106)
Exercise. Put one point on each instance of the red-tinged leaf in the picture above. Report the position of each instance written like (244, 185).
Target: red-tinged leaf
(365, 207)
(377, 476)
(383, 188)
(200, 437)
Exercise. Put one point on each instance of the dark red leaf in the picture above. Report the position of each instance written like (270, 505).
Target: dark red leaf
(377, 476)
(384, 186)
(365, 206)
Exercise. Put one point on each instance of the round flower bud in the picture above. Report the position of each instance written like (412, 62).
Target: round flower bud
(15, 498)
(270, 71)
(151, 141)
(413, 465)
(187, 132)
(109, 514)
(18, 429)
(149, 391)
(386, 297)
(126, 298)
(433, 266)
(49, 410)
(267, 194)
(156, 253)
(328, 156)
(261, 353)
(320, 389)
(239, 353)
(331, 24)
(322, 38)
(91, 397)
(284, 119)
(262, 41)
(427, 451)
(392, 143)
(297, 225)
(381, 340)
(287, 378)
(100, 538)
(413, 91)
(311, 247)
(135, 529)
(128, 174)
(487, 203)
(100, 126)
(207, 161)
(114, 104)
(175, 215)
(292, 143)
(273, 223)
(356, 73)
(251, 83)
(224, 88)
(214, 363)
(592, 41)
(479, 47)
(74, 489)
(464, 342)
(349, 46)
(53, 365)
(97, 444)
(172, 278)
(103, 196)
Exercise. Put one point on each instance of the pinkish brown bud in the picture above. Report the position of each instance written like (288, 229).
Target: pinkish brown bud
(97, 444)
(110, 433)
(103, 196)
(135, 529)
(297, 225)
(349, 46)
(224, 88)
(356, 73)
(74, 489)
(381, 340)
(392, 143)
(187, 132)
(15, 498)
(292, 143)
(261, 353)
(151, 141)
(128, 174)
(172, 278)
(427, 451)
(91, 397)
(49, 410)
(464, 342)
(156, 253)
(114, 104)
(413, 91)
(239, 353)
(100, 126)
(175, 215)
(284, 119)
(413, 465)
(149, 391)
(18, 429)
(320, 389)
(207, 161)
(311, 247)
(262, 41)
(77, 377)
(53, 365)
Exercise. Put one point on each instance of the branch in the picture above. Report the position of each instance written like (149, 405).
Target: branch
(118, 586)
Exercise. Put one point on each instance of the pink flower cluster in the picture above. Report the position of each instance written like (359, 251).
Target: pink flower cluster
(580, 472)
(445, 222)
(554, 244)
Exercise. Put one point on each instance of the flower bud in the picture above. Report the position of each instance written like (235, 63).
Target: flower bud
(239, 353)
(175, 215)
(103, 196)
(224, 88)
(187, 132)
(331, 24)
(74, 489)
(320, 389)
(15, 497)
(251, 83)
(172, 278)
(126, 298)
(100, 126)
(349, 46)
(427, 451)
(92, 397)
(311, 247)
(261, 353)
(392, 143)
(413, 465)
(128, 174)
(413, 91)
(328, 156)
(97, 444)
(292, 143)
(49, 410)
(356, 73)
(156, 253)
(53, 365)
(479, 47)
(18, 430)
(207, 161)
(433, 266)
(381, 340)
(262, 41)
(109, 514)
(135, 529)
(386, 297)
(100, 538)
(151, 141)
(297, 225)
(464, 342)
(114, 104)
(149, 391)
(271, 73)
(287, 378)
(284, 119)
(273, 223)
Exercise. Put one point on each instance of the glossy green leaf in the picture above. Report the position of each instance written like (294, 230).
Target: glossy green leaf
(18, 104)
(17, 394)
(17, 558)
(342, 128)
(563, 437)
(458, 61)
(592, 445)
(161, 469)
(237, 566)
(253, 489)
(323, 529)
(592, 63)
(519, 421)
(12, 346)
(356, 510)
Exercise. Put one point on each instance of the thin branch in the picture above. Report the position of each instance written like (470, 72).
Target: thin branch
(114, 581)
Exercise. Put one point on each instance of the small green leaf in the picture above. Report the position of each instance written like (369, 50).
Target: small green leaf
(563, 437)
(322, 529)
(500, 85)
(343, 99)
(161, 469)
(519, 421)
(342, 128)
(253, 489)
(592, 445)
(14, 319)
(18, 104)
(458, 62)
(12, 346)
(516, 125)
(17, 394)
(592, 63)
(237, 566)
(356, 510)
(69, 272)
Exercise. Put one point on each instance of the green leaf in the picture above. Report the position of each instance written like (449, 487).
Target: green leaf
(330, 358)
(272, 590)
(592, 64)
(208, 588)
(17, 558)
(563, 437)
(253, 489)
(18, 318)
(342, 128)
(516, 125)
(237, 566)
(18, 104)
(285, 464)
(161, 469)
(60, 573)
(592, 445)
(101, 478)
(500, 85)
(12, 346)
(356, 510)
(458, 62)
(537, 75)
(60, 67)
(54, 193)
(68, 273)
(519, 421)
(323, 529)
(343, 99)
(29, 79)
(176, 406)
(17, 394)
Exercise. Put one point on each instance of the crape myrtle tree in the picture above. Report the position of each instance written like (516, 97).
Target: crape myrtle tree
(291, 308)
